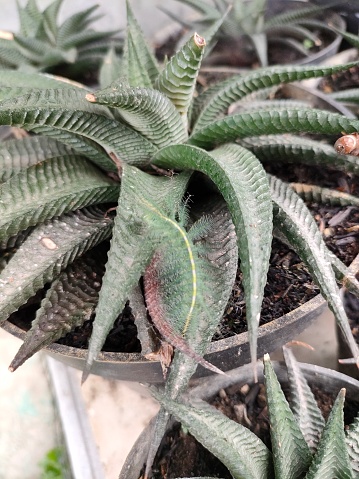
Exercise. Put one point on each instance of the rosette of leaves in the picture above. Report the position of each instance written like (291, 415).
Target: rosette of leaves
(43, 44)
(247, 32)
(302, 445)
(111, 147)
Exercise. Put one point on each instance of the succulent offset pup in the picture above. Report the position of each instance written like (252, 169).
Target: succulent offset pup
(112, 146)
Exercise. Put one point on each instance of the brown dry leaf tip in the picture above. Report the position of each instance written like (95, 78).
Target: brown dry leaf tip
(90, 97)
(348, 144)
(6, 35)
(199, 41)
(300, 343)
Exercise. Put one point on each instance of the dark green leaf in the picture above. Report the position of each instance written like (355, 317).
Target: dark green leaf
(291, 454)
(54, 244)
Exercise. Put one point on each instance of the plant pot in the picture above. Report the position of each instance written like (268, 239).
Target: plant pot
(225, 353)
(327, 380)
(330, 17)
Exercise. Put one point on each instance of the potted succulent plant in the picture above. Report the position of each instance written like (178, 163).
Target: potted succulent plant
(266, 32)
(103, 148)
(43, 44)
(301, 443)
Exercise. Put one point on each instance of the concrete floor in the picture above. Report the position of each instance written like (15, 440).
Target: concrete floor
(117, 411)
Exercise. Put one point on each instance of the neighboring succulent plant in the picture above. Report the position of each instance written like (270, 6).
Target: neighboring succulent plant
(42, 44)
(302, 445)
(247, 32)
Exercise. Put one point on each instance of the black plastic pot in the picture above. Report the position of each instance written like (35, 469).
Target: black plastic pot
(327, 380)
(225, 353)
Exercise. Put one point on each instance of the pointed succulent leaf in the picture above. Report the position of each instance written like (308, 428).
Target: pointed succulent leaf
(131, 247)
(10, 55)
(145, 331)
(240, 450)
(54, 244)
(293, 219)
(110, 69)
(332, 458)
(80, 144)
(177, 282)
(291, 454)
(78, 116)
(348, 95)
(178, 79)
(69, 302)
(314, 193)
(295, 15)
(50, 19)
(77, 39)
(51, 188)
(303, 403)
(42, 54)
(241, 180)
(220, 257)
(28, 81)
(352, 442)
(148, 111)
(140, 65)
(241, 86)
(73, 24)
(30, 18)
(19, 154)
(242, 125)
(293, 149)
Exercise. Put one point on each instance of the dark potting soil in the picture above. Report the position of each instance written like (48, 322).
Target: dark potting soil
(180, 455)
(340, 81)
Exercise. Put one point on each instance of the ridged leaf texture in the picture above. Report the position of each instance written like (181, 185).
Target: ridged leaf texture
(69, 302)
(241, 180)
(291, 454)
(139, 62)
(303, 403)
(352, 442)
(42, 43)
(243, 453)
(54, 244)
(219, 255)
(240, 125)
(314, 193)
(189, 280)
(50, 189)
(148, 111)
(178, 79)
(18, 154)
(131, 246)
(27, 81)
(243, 85)
(67, 110)
(292, 148)
(293, 219)
(331, 458)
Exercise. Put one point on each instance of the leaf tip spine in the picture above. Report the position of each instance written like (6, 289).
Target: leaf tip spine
(90, 97)
(199, 41)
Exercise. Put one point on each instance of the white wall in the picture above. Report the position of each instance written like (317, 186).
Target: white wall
(150, 17)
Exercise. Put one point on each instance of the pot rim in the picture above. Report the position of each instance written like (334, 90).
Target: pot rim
(315, 305)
